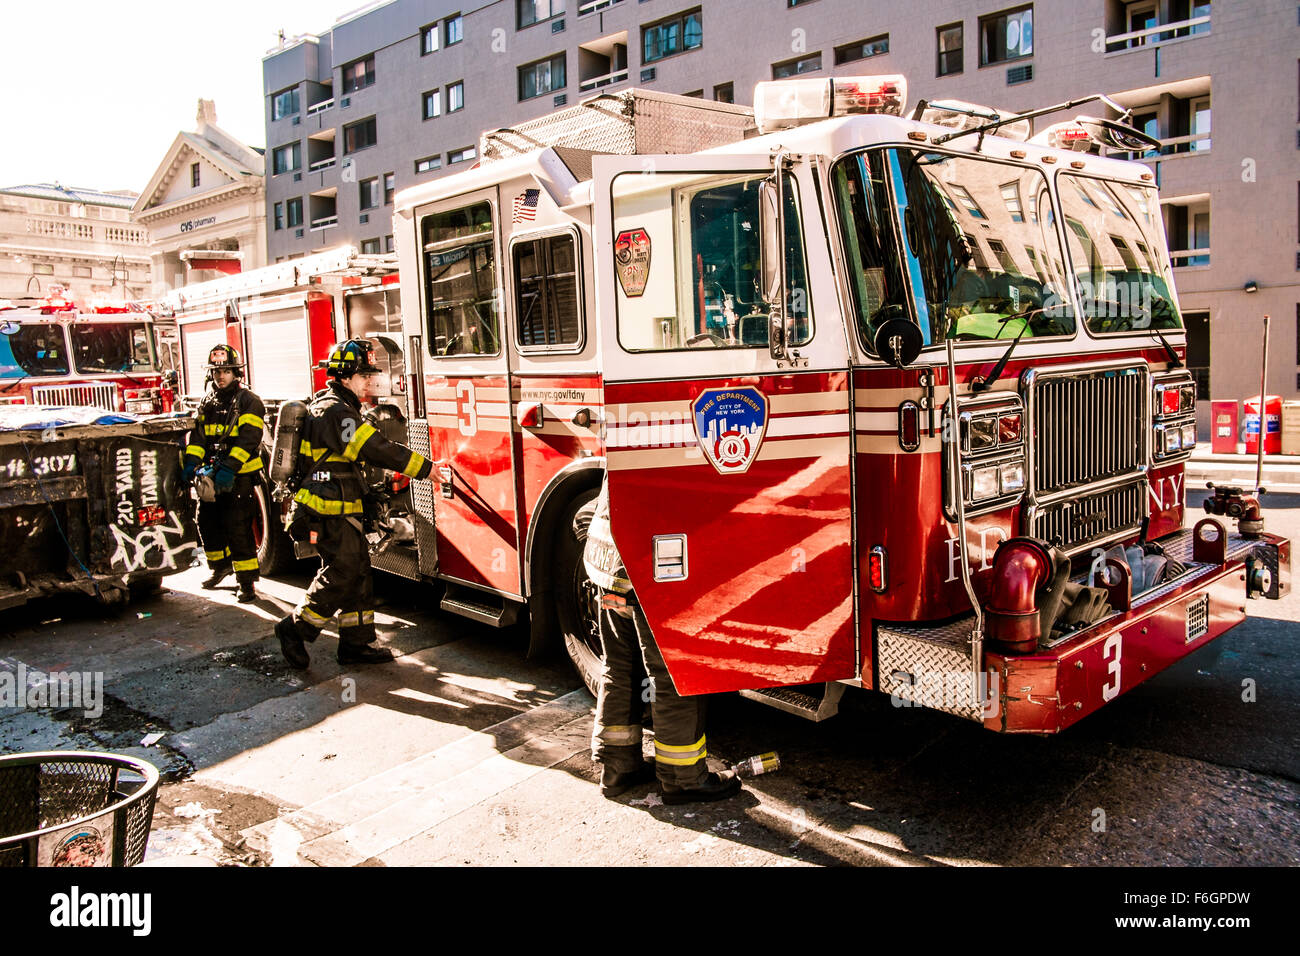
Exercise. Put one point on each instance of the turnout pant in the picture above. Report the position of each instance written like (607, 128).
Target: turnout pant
(630, 654)
(342, 584)
(226, 530)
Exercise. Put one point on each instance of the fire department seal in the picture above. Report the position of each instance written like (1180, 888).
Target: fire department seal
(729, 425)
(632, 261)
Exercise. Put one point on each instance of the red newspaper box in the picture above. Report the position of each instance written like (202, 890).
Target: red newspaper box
(1272, 428)
(1223, 431)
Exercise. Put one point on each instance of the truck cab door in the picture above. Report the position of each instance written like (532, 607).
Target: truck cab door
(459, 328)
(728, 461)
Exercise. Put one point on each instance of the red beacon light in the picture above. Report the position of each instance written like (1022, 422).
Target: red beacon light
(784, 104)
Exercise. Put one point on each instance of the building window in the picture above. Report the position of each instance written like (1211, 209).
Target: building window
(388, 243)
(725, 93)
(194, 174)
(461, 155)
(455, 96)
(967, 200)
(390, 187)
(286, 159)
(862, 49)
(42, 269)
(370, 247)
(674, 35)
(805, 64)
(452, 30)
(950, 50)
(431, 104)
(279, 215)
(535, 11)
(428, 164)
(359, 74)
(81, 272)
(1011, 198)
(544, 76)
(369, 192)
(358, 136)
(293, 212)
(1199, 124)
(285, 103)
(546, 293)
(428, 39)
(1007, 36)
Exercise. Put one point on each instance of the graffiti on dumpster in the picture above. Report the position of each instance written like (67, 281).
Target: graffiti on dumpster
(150, 549)
(146, 537)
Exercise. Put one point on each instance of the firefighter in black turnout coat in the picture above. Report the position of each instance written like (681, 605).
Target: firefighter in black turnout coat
(224, 454)
(329, 508)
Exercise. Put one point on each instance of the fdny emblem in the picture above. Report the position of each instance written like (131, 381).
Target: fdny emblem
(632, 261)
(729, 424)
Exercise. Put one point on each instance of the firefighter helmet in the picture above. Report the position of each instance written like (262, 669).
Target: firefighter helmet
(353, 357)
(224, 356)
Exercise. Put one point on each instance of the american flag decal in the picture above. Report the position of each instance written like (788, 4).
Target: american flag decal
(525, 206)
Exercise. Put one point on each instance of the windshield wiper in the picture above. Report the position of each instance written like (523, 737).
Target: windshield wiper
(985, 385)
(1174, 360)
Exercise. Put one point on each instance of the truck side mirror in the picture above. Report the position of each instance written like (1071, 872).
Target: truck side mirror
(898, 342)
(769, 201)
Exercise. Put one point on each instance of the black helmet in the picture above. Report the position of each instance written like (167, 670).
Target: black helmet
(349, 358)
(228, 358)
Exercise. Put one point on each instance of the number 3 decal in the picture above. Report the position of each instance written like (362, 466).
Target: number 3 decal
(466, 413)
(1110, 690)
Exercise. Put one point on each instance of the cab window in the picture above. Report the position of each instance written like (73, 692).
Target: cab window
(688, 262)
(546, 293)
(31, 350)
(460, 281)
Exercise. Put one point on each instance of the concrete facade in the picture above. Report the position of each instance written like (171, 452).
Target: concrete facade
(204, 206)
(79, 240)
(1176, 62)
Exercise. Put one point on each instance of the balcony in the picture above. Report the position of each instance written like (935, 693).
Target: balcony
(320, 107)
(320, 165)
(591, 6)
(602, 62)
(325, 222)
(1189, 257)
(596, 82)
(1157, 35)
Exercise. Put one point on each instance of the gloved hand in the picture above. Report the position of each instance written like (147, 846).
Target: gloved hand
(223, 479)
(188, 474)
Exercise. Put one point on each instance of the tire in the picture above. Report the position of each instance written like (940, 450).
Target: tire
(575, 596)
(274, 549)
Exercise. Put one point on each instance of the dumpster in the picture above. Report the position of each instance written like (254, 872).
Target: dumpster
(1223, 434)
(91, 501)
(74, 808)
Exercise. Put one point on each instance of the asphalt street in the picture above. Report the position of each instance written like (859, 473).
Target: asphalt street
(464, 752)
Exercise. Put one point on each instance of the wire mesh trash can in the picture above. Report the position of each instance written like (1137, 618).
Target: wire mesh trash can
(68, 808)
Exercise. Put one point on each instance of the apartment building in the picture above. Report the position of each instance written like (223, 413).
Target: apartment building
(80, 242)
(397, 93)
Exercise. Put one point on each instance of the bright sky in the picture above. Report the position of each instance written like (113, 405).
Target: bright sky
(98, 89)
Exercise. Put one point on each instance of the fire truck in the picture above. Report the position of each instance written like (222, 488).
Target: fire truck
(883, 398)
(283, 319)
(54, 352)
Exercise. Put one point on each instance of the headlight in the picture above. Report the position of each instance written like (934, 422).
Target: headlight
(984, 483)
(1187, 398)
(983, 434)
(1189, 435)
(1172, 439)
(1009, 429)
(1012, 476)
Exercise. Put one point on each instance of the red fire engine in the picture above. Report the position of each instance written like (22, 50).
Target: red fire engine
(883, 399)
(283, 319)
(54, 352)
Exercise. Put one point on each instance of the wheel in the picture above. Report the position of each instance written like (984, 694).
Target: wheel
(274, 549)
(576, 607)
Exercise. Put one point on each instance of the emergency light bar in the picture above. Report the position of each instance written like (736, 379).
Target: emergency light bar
(1067, 135)
(785, 104)
(960, 115)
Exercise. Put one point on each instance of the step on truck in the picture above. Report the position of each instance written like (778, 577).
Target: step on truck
(884, 398)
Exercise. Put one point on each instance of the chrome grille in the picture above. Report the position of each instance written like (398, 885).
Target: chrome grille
(99, 394)
(1088, 426)
(1075, 523)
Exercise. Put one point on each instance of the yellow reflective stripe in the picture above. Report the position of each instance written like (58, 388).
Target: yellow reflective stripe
(620, 735)
(196, 450)
(323, 507)
(680, 756)
(360, 438)
(305, 448)
(670, 748)
(214, 555)
(414, 465)
(311, 617)
(349, 619)
(239, 454)
(214, 429)
(338, 458)
(250, 419)
(680, 761)
(254, 464)
(247, 565)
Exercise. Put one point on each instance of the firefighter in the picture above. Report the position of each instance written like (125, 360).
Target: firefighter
(628, 645)
(329, 509)
(225, 449)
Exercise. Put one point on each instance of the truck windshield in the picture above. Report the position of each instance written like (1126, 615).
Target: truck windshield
(112, 347)
(974, 239)
(1121, 263)
(33, 350)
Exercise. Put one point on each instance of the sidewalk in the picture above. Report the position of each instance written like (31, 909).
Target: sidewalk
(1281, 472)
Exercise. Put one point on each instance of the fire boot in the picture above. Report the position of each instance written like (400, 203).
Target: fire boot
(363, 654)
(291, 645)
(714, 786)
(614, 782)
(247, 595)
(219, 573)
